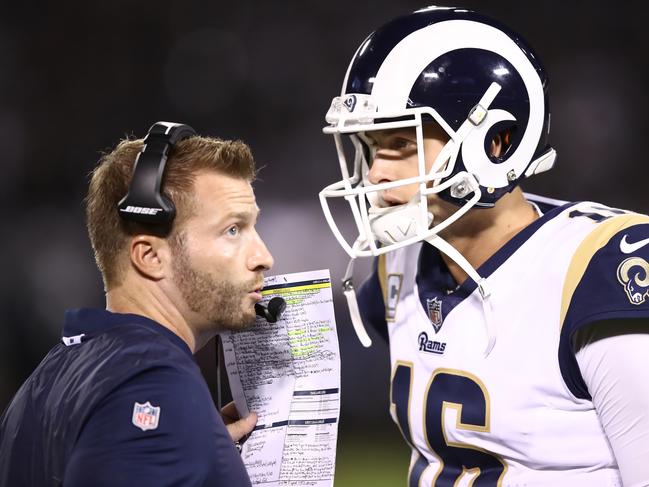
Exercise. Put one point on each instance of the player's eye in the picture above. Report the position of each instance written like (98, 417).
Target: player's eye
(233, 230)
(399, 143)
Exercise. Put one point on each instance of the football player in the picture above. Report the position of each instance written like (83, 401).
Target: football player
(518, 325)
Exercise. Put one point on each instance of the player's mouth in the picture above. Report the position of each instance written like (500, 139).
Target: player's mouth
(388, 199)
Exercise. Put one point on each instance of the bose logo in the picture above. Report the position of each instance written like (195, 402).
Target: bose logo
(141, 209)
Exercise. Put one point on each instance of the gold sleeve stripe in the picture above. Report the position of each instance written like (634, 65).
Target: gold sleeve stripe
(383, 277)
(597, 239)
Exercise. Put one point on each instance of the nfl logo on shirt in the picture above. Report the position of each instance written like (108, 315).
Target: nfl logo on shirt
(435, 312)
(146, 416)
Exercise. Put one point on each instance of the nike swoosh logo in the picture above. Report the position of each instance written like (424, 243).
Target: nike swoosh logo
(629, 248)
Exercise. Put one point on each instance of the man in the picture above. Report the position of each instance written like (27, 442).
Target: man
(518, 325)
(121, 401)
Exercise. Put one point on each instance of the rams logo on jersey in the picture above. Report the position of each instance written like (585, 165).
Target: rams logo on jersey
(430, 346)
(633, 274)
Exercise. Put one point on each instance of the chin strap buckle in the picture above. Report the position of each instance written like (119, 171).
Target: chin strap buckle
(483, 287)
(477, 115)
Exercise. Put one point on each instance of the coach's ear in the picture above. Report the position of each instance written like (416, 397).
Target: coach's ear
(150, 256)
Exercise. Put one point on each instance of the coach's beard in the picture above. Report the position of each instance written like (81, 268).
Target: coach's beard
(218, 301)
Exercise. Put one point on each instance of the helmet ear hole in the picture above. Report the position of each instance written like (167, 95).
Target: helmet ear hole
(499, 141)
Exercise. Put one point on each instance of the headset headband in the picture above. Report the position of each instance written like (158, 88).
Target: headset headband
(144, 201)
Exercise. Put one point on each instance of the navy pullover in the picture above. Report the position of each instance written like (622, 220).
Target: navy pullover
(120, 402)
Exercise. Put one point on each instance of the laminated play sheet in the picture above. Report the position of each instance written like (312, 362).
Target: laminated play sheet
(289, 373)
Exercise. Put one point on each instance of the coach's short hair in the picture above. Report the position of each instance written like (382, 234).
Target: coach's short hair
(110, 180)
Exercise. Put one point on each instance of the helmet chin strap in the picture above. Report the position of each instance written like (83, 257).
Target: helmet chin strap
(483, 287)
(352, 303)
(443, 246)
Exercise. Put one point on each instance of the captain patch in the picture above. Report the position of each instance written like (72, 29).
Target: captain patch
(392, 299)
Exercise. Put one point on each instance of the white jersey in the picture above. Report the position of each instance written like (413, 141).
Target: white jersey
(520, 415)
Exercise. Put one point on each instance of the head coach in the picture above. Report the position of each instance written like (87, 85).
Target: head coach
(121, 401)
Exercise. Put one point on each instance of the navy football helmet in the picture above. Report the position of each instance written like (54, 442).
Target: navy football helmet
(463, 71)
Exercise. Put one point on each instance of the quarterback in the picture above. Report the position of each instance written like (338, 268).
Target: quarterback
(518, 325)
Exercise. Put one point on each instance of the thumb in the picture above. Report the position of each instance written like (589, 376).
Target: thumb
(242, 427)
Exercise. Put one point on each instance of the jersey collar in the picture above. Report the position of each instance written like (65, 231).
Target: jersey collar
(82, 324)
(435, 281)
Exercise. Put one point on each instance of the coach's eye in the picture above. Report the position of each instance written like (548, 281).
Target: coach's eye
(233, 230)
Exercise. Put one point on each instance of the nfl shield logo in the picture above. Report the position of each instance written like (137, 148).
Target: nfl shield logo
(435, 312)
(146, 416)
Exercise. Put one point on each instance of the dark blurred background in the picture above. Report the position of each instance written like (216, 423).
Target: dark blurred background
(76, 77)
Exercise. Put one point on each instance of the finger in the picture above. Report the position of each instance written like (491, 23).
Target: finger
(229, 413)
(242, 427)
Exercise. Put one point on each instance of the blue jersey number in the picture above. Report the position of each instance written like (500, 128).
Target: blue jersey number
(448, 389)
(595, 212)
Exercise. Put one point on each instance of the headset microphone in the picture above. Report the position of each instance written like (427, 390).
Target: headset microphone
(273, 312)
